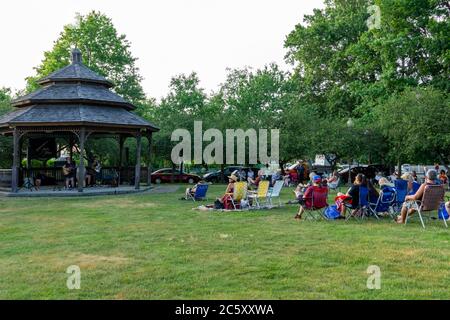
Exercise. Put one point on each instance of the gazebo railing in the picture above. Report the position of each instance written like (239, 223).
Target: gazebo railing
(55, 174)
(5, 178)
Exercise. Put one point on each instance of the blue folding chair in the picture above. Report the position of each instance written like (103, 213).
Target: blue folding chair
(363, 206)
(200, 192)
(384, 203)
(415, 187)
(363, 201)
(401, 189)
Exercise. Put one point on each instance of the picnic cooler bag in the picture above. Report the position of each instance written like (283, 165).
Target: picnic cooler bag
(442, 212)
(332, 212)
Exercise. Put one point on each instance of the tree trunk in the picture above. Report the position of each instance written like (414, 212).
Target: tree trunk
(172, 178)
(399, 167)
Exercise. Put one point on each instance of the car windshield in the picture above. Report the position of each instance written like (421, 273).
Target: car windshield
(166, 171)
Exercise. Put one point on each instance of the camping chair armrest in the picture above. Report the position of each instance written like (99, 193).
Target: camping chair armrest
(415, 203)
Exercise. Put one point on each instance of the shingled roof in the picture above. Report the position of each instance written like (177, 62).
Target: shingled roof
(76, 71)
(75, 114)
(81, 92)
(74, 95)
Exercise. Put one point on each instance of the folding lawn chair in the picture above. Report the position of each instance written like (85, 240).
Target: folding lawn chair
(433, 197)
(200, 193)
(260, 194)
(384, 203)
(274, 192)
(401, 189)
(239, 193)
(318, 203)
(363, 206)
(415, 187)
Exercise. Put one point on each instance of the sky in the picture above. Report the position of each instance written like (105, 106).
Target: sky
(169, 37)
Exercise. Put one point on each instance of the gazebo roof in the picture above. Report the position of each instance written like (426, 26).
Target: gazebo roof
(79, 114)
(74, 95)
(76, 71)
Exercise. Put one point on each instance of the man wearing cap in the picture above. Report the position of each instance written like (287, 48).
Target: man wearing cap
(313, 192)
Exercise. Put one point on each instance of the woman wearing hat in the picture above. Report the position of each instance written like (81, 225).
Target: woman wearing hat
(229, 191)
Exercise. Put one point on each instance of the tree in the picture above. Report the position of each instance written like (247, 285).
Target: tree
(5, 101)
(6, 148)
(318, 49)
(104, 51)
(184, 104)
(415, 123)
(409, 49)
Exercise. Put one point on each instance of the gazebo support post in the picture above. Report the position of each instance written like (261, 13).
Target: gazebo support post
(28, 155)
(137, 171)
(121, 143)
(81, 168)
(15, 166)
(149, 171)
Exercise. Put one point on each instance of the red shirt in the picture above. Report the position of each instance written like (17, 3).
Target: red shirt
(316, 195)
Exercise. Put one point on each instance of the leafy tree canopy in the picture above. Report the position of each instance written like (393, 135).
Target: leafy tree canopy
(104, 51)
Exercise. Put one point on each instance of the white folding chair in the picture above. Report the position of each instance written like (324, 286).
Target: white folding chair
(275, 192)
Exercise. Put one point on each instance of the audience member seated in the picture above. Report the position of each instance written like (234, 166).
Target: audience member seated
(225, 199)
(351, 198)
(430, 180)
(377, 178)
(393, 176)
(276, 176)
(333, 178)
(414, 176)
(443, 178)
(255, 182)
(413, 185)
(309, 200)
(250, 174)
(298, 191)
(190, 192)
(39, 180)
(383, 182)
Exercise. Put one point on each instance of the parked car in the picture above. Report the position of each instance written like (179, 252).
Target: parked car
(216, 176)
(165, 175)
(369, 171)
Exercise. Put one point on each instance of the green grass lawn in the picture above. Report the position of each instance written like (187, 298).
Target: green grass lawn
(153, 246)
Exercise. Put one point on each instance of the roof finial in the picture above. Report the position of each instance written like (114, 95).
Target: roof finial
(76, 56)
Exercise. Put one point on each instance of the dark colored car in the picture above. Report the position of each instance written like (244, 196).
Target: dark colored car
(369, 171)
(216, 176)
(165, 175)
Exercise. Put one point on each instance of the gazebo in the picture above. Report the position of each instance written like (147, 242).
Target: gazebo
(74, 103)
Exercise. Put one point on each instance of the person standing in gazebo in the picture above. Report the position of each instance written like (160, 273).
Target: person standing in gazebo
(69, 173)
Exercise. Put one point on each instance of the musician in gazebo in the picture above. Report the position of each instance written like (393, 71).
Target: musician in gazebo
(69, 173)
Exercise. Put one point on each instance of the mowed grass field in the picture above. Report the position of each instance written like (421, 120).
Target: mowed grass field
(154, 246)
